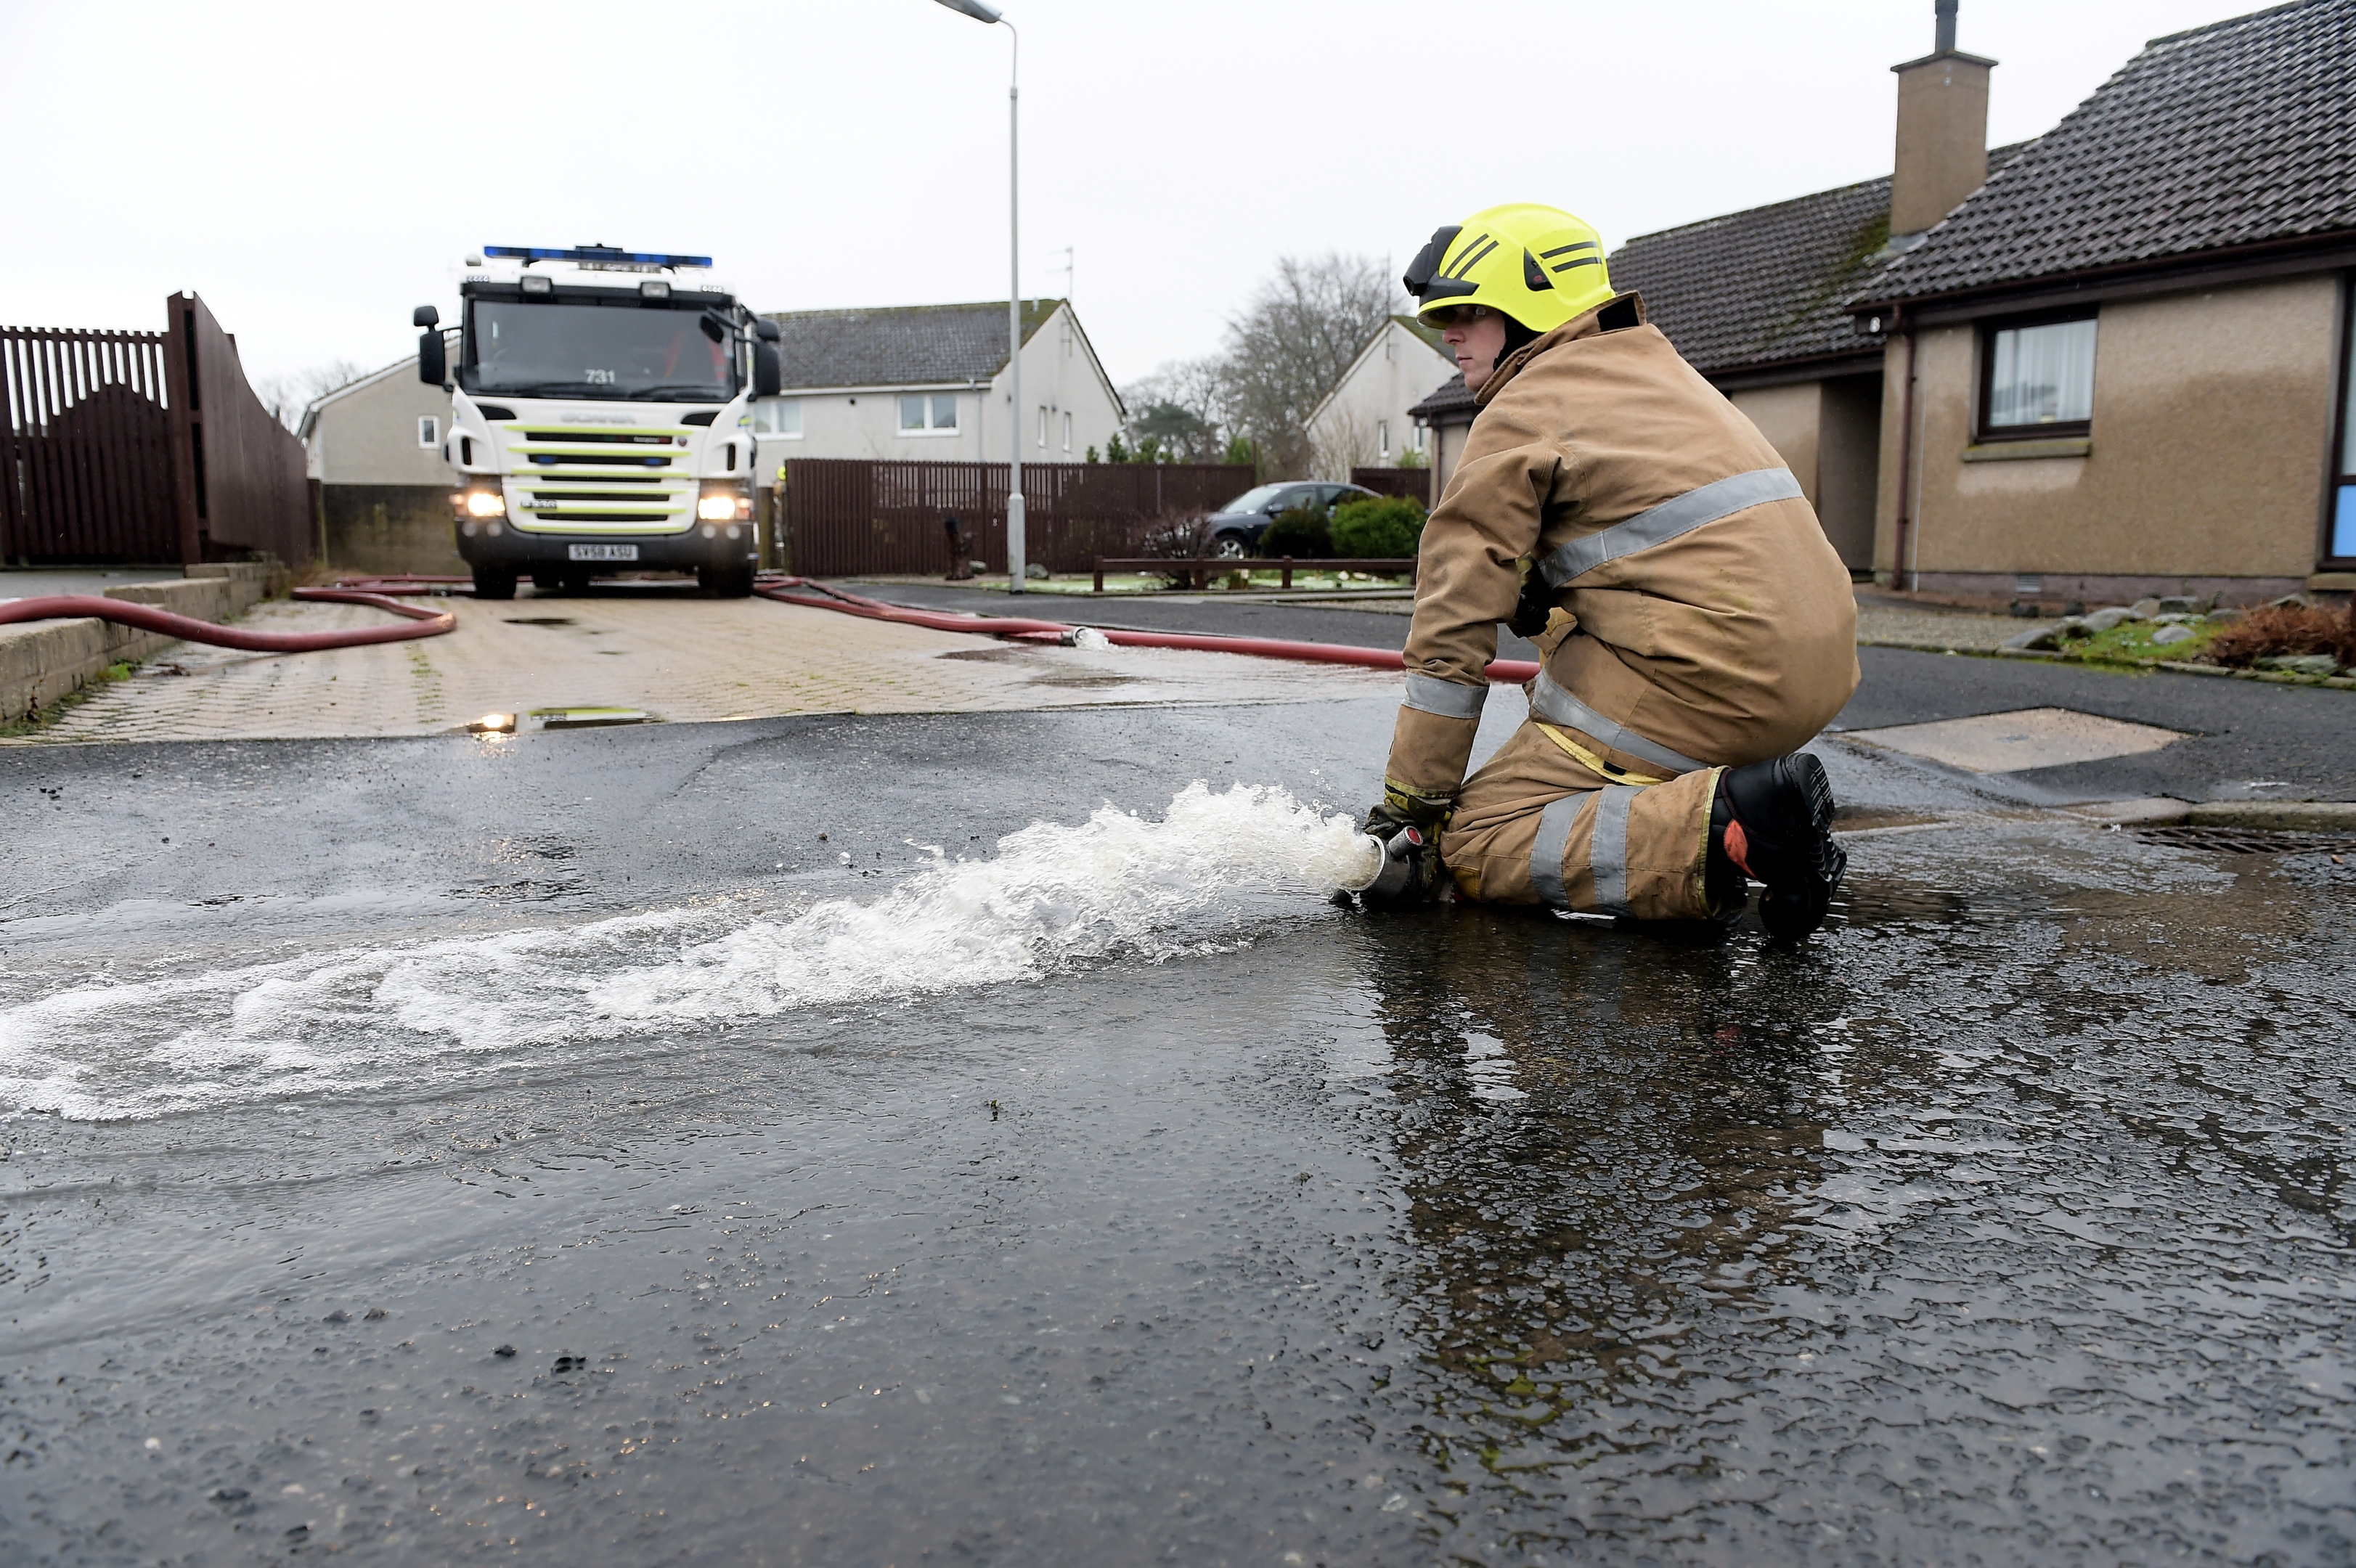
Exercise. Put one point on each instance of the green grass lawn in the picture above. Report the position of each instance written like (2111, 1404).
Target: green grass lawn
(2133, 642)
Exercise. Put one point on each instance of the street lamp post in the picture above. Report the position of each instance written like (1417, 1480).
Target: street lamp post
(983, 13)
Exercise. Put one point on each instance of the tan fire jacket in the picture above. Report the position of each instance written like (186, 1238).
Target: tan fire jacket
(1715, 623)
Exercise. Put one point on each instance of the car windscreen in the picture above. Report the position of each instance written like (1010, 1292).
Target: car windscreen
(563, 349)
(1254, 499)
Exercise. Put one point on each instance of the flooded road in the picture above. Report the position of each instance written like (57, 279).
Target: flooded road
(2004, 1222)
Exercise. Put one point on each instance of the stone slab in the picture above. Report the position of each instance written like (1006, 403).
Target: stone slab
(2018, 740)
(42, 662)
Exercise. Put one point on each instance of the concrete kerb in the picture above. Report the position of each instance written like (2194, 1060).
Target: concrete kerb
(2271, 815)
(44, 661)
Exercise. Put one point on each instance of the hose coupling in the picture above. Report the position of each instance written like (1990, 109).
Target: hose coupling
(1395, 870)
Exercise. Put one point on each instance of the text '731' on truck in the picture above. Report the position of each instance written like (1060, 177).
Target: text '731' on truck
(599, 419)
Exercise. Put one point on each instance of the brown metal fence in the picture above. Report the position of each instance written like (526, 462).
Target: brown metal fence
(238, 472)
(850, 516)
(85, 461)
(1413, 483)
(143, 447)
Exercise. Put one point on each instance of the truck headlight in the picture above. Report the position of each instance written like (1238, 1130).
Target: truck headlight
(486, 504)
(724, 501)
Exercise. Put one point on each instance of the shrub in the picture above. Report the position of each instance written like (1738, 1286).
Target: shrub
(1186, 537)
(1378, 526)
(1301, 533)
(2287, 629)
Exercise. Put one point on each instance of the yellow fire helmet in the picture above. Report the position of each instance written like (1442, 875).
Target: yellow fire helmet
(1538, 265)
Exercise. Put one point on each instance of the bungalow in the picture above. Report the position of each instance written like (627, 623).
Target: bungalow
(1365, 421)
(2107, 362)
(930, 382)
(2123, 366)
(379, 483)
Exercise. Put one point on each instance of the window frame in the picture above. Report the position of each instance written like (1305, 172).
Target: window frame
(2340, 462)
(428, 433)
(760, 435)
(930, 431)
(1984, 428)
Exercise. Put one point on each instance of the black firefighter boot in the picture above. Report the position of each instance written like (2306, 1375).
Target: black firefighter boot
(1772, 822)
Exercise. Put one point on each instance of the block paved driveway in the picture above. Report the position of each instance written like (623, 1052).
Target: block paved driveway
(678, 656)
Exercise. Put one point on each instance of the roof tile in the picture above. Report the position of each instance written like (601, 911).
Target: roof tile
(2230, 134)
(900, 345)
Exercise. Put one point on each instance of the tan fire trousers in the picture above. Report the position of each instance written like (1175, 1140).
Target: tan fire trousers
(1548, 820)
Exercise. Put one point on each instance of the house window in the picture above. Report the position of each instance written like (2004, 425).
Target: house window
(1383, 437)
(1042, 425)
(429, 431)
(933, 413)
(2038, 380)
(2342, 543)
(778, 416)
(1067, 430)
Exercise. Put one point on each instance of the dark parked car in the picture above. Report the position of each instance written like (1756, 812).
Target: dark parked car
(1236, 527)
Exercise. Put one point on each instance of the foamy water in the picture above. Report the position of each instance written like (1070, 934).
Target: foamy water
(1051, 897)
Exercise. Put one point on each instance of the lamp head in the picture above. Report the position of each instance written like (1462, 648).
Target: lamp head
(975, 9)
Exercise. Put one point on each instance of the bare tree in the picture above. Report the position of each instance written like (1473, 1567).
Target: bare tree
(287, 397)
(1182, 407)
(1345, 439)
(1296, 336)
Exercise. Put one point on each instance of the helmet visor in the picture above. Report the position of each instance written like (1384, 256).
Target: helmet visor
(1423, 280)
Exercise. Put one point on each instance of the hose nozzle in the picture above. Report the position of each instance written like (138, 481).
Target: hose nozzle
(1394, 870)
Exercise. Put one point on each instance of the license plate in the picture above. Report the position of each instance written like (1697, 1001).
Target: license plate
(602, 552)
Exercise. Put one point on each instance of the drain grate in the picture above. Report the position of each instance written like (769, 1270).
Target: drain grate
(2246, 840)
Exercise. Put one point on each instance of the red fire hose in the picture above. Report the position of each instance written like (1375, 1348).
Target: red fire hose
(1511, 672)
(420, 623)
(423, 623)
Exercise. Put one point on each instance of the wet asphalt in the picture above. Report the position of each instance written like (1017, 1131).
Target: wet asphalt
(2005, 1221)
(2248, 741)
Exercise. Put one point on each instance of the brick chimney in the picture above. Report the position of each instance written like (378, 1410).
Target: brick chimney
(1941, 132)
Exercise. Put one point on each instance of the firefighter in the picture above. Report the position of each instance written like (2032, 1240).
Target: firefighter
(1695, 626)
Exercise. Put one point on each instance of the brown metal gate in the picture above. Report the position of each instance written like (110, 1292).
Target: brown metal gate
(86, 468)
(853, 517)
(239, 473)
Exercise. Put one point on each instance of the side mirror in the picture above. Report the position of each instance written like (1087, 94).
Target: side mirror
(433, 362)
(425, 316)
(765, 330)
(769, 377)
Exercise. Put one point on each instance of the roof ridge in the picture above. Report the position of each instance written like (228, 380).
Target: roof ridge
(1031, 303)
(1753, 211)
(2244, 18)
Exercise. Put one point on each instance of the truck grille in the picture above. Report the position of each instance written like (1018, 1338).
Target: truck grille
(569, 477)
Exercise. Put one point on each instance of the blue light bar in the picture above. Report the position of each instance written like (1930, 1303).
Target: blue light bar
(594, 253)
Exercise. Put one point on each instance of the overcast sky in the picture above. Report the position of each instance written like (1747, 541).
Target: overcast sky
(314, 171)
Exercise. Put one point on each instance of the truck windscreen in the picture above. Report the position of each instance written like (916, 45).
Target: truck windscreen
(566, 350)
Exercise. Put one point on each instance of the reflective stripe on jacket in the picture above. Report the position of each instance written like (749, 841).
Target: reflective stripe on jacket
(1714, 622)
